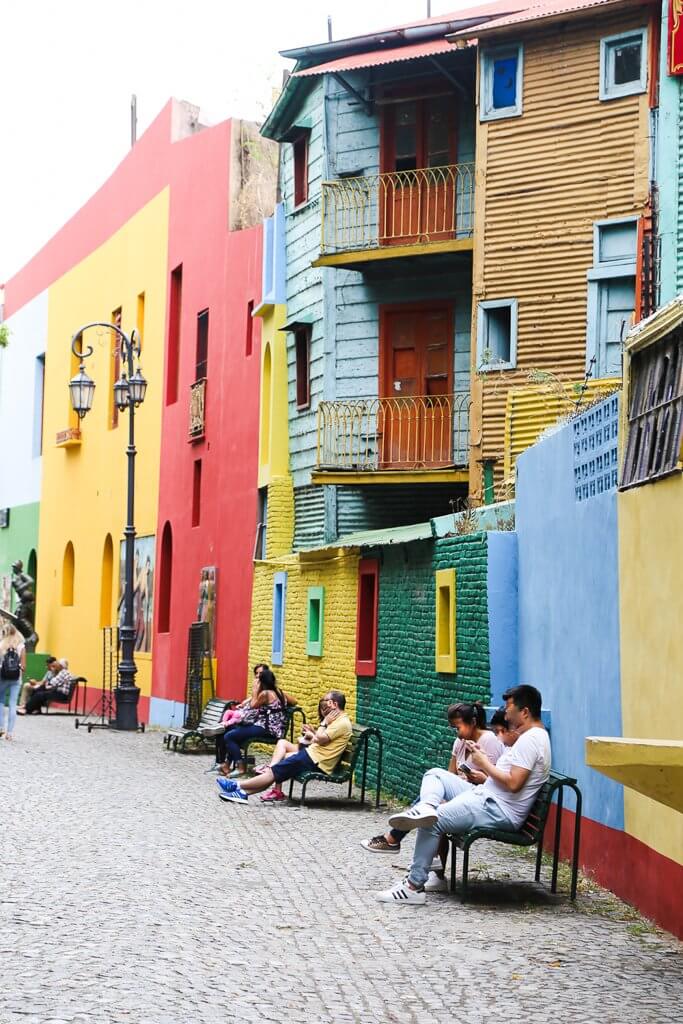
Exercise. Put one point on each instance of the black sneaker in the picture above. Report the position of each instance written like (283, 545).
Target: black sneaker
(378, 844)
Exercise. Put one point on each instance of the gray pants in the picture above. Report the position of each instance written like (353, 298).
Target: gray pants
(467, 807)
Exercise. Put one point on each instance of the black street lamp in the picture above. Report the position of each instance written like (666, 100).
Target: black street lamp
(129, 393)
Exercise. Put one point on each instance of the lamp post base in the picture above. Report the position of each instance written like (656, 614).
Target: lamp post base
(127, 698)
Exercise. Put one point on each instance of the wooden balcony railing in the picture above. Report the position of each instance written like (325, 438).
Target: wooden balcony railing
(421, 432)
(431, 204)
(197, 409)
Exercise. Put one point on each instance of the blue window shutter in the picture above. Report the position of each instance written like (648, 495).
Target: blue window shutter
(505, 82)
(279, 602)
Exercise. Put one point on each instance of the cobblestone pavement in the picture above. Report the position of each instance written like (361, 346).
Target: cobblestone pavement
(130, 893)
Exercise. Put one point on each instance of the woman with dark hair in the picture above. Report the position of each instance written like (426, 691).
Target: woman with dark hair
(263, 717)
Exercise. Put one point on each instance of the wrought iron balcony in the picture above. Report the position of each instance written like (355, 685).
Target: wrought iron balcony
(427, 205)
(402, 433)
(197, 409)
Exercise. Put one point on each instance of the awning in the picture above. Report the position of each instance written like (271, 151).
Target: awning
(375, 539)
(379, 57)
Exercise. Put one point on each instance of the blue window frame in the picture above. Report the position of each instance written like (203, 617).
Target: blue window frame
(279, 602)
(623, 64)
(501, 83)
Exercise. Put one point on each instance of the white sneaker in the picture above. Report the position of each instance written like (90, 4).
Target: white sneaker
(403, 895)
(436, 884)
(419, 816)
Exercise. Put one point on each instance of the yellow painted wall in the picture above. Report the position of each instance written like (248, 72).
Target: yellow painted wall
(650, 574)
(301, 675)
(273, 431)
(84, 487)
(542, 179)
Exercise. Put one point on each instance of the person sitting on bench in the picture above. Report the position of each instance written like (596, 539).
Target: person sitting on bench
(59, 685)
(284, 747)
(502, 802)
(31, 685)
(263, 717)
(328, 744)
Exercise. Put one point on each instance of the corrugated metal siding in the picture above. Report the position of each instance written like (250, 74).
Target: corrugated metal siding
(532, 410)
(309, 517)
(377, 507)
(568, 161)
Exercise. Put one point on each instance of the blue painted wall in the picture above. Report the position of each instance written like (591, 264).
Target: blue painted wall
(502, 585)
(667, 171)
(167, 713)
(569, 612)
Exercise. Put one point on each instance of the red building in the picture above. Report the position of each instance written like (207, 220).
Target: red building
(223, 181)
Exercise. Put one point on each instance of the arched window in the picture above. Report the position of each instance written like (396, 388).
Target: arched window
(165, 578)
(106, 582)
(68, 568)
(266, 402)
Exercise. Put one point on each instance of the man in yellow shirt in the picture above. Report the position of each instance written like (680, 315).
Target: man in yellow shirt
(327, 745)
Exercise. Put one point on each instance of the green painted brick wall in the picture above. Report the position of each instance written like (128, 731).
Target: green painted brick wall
(407, 698)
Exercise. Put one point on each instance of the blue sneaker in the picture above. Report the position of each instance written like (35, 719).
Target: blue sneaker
(238, 796)
(226, 785)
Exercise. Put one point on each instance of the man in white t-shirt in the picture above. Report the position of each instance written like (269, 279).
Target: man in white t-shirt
(503, 801)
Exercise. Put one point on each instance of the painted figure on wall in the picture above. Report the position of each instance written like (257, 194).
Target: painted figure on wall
(206, 608)
(143, 591)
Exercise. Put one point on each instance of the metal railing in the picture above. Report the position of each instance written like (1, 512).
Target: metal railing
(197, 408)
(430, 204)
(407, 432)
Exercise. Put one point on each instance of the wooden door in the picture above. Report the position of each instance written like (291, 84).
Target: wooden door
(616, 303)
(415, 418)
(417, 202)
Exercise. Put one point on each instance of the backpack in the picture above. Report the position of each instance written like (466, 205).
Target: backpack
(11, 665)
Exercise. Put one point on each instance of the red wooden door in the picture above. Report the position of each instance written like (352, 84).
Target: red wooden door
(415, 418)
(415, 201)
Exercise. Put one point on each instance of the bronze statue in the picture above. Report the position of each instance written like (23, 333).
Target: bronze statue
(23, 617)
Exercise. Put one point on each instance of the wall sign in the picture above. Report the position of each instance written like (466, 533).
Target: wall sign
(675, 47)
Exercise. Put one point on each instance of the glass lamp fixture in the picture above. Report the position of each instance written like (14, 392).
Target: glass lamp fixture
(82, 392)
(121, 393)
(137, 386)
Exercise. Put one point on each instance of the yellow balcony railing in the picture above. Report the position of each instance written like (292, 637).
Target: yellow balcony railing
(407, 432)
(197, 408)
(430, 204)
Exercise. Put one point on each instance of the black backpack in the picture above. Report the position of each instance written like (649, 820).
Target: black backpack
(11, 665)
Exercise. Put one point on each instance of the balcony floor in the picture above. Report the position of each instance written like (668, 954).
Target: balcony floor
(368, 259)
(449, 475)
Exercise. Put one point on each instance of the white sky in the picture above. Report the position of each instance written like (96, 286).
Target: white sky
(68, 68)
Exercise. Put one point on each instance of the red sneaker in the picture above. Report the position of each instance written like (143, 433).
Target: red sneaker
(273, 796)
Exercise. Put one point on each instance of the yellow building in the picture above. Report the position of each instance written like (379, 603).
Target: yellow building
(561, 197)
(84, 464)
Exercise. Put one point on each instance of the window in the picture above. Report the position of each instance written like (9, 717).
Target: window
(366, 619)
(68, 572)
(279, 600)
(38, 406)
(654, 448)
(497, 334)
(249, 347)
(106, 582)
(115, 369)
(196, 492)
(173, 354)
(261, 525)
(165, 579)
(302, 341)
(315, 622)
(501, 83)
(202, 351)
(445, 660)
(300, 159)
(623, 64)
(611, 294)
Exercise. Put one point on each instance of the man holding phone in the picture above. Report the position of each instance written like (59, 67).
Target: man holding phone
(503, 801)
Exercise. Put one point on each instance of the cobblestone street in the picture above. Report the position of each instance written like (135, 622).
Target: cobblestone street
(130, 893)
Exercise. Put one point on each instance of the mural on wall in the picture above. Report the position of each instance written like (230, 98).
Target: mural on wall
(206, 608)
(143, 590)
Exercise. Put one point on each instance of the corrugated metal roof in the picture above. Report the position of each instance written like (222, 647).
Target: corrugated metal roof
(377, 538)
(379, 57)
(654, 327)
(536, 11)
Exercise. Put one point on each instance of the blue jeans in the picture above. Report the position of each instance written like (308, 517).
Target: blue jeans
(235, 737)
(467, 807)
(294, 765)
(13, 686)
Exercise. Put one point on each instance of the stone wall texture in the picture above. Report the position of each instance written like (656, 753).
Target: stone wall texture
(407, 698)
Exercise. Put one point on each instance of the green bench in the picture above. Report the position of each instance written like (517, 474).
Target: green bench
(530, 834)
(347, 765)
(211, 717)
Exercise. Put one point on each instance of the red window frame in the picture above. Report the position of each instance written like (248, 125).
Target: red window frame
(366, 617)
(300, 158)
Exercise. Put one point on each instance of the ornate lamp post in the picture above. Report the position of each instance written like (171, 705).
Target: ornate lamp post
(129, 393)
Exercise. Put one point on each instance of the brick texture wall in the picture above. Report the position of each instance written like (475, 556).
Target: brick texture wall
(407, 698)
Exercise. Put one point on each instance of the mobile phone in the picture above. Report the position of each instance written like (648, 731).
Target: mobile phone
(465, 768)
